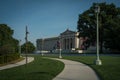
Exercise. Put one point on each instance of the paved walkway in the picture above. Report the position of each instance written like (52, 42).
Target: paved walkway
(75, 71)
(30, 59)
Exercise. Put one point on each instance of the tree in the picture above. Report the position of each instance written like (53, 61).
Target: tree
(30, 47)
(109, 22)
(7, 43)
(5, 34)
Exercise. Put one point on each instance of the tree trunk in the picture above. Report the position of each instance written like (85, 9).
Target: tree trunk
(101, 39)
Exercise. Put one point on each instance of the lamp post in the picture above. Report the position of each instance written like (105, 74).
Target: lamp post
(26, 39)
(97, 10)
(19, 46)
(60, 56)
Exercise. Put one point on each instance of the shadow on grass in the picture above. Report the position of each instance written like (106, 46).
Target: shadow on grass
(33, 73)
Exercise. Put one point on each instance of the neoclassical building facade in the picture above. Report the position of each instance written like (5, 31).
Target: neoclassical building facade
(66, 41)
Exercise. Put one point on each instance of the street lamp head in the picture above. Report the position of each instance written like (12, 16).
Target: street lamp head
(97, 8)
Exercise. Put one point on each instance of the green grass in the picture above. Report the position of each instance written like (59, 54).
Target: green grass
(109, 70)
(46, 69)
(39, 69)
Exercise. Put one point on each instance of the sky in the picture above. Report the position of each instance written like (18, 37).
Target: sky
(44, 18)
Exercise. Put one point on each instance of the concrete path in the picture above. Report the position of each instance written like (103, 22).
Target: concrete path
(30, 59)
(75, 71)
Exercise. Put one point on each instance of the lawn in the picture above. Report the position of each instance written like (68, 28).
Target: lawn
(39, 69)
(109, 70)
(46, 69)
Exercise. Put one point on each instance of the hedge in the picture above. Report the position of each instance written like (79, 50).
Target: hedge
(9, 57)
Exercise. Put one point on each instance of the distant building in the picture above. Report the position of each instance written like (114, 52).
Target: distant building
(68, 41)
(47, 44)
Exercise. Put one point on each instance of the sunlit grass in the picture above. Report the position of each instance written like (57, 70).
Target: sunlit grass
(46, 69)
(39, 69)
(109, 70)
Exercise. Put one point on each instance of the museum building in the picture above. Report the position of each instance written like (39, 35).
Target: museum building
(66, 41)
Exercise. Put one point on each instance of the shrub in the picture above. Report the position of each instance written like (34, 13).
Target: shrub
(9, 57)
(1, 59)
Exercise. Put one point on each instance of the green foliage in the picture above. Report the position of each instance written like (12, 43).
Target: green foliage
(109, 25)
(30, 47)
(8, 58)
(7, 42)
(5, 34)
(8, 45)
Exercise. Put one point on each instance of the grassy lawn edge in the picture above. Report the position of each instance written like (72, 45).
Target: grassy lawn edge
(39, 69)
(13, 62)
(109, 70)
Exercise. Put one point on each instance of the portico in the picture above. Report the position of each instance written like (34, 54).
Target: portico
(69, 40)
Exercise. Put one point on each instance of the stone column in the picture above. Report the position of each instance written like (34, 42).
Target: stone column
(61, 42)
(75, 42)
(69, 43)
(65, 43)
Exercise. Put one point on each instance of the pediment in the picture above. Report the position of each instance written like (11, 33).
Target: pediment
(67, 32)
